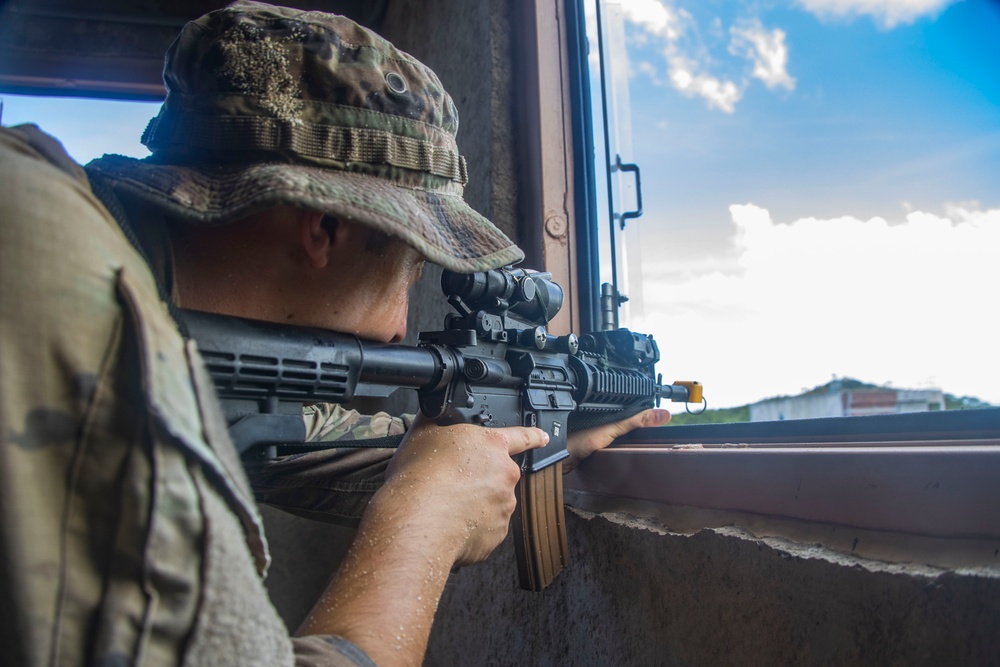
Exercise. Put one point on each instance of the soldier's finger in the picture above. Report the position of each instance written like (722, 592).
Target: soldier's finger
(644, 419)
(653, 417)
(521, 439)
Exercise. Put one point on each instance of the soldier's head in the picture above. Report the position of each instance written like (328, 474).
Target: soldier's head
(275, 107)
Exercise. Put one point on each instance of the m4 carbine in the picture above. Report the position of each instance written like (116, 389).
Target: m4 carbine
(493, 364)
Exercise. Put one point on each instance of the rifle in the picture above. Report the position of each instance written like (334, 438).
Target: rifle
(493, 364)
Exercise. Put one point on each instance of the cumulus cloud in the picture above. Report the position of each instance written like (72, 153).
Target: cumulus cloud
(887, 13)
(656, 17)
(684, 73)
(690, 82)
(906, 302)
(767, 50)
(686, 62)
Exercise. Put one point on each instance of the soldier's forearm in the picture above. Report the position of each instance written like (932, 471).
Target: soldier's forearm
(385, 594)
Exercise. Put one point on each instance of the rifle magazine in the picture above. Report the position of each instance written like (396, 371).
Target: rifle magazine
(540, 528)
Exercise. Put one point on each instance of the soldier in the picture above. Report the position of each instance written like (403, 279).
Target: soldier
(303, 169)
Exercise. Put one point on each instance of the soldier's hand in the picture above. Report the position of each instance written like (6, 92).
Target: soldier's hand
(459, 480)
(582, 444)
(447, 500)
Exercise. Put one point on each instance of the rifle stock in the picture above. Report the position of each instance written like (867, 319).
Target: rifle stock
(493, 364)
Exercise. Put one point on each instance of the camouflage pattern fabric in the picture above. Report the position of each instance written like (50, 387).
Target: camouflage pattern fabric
(127, 530)
(275, 106)
(328, 422)
(332, 485)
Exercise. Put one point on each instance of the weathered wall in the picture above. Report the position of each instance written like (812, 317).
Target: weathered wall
(636, 594)
(304, 554)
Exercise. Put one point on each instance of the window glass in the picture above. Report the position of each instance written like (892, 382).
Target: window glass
(821, 216)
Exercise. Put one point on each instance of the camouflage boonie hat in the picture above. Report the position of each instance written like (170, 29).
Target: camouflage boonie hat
(271, 106)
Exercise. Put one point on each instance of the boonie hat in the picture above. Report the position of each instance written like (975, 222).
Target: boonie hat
(271, 106)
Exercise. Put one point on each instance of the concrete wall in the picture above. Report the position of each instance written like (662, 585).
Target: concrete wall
(639, 594)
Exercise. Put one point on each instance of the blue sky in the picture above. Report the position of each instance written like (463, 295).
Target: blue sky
(88, 128)
(820, 186)
(820, 189)
(874, 112)
(878, 116)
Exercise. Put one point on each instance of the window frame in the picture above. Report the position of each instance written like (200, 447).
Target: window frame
(930, 473)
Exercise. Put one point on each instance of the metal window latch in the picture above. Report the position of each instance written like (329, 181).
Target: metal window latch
(629, 166)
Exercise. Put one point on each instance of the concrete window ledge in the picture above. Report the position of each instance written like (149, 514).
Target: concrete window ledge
(917, 488)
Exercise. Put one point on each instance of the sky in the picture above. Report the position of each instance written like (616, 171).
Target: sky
(87, 128)
(820, 192)
(819, 189)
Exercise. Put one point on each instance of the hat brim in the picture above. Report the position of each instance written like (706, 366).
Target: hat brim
(441, 226)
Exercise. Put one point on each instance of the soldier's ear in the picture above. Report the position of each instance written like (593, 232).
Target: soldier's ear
(317, 233)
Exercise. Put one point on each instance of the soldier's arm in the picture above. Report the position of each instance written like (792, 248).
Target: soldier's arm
(447, 500)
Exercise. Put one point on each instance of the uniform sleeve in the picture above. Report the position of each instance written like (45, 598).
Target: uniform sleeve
(122, 535)
(329, 651)
(327, 422)
(331, 485)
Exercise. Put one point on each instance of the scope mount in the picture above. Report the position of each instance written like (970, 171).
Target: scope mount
(505, 305)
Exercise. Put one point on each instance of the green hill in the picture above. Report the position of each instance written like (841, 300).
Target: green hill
(720, 416)
(742, 413)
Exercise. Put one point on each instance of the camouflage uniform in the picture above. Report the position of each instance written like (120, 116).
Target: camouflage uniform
(333, 485)
(127, 527)
(128, 533)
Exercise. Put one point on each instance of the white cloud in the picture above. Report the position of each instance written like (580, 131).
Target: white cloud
(687, 60)
(717, 93)
(887, 13)
(683, 72)
(899, 302)
(655, 17)
(767, 50)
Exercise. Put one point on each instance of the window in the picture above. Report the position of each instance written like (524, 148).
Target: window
(88, 128)
(818, 222)
(818, 210)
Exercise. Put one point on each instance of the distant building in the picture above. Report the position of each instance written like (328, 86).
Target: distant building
(847, 398)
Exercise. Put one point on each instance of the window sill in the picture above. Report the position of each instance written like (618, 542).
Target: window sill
(932, 475)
